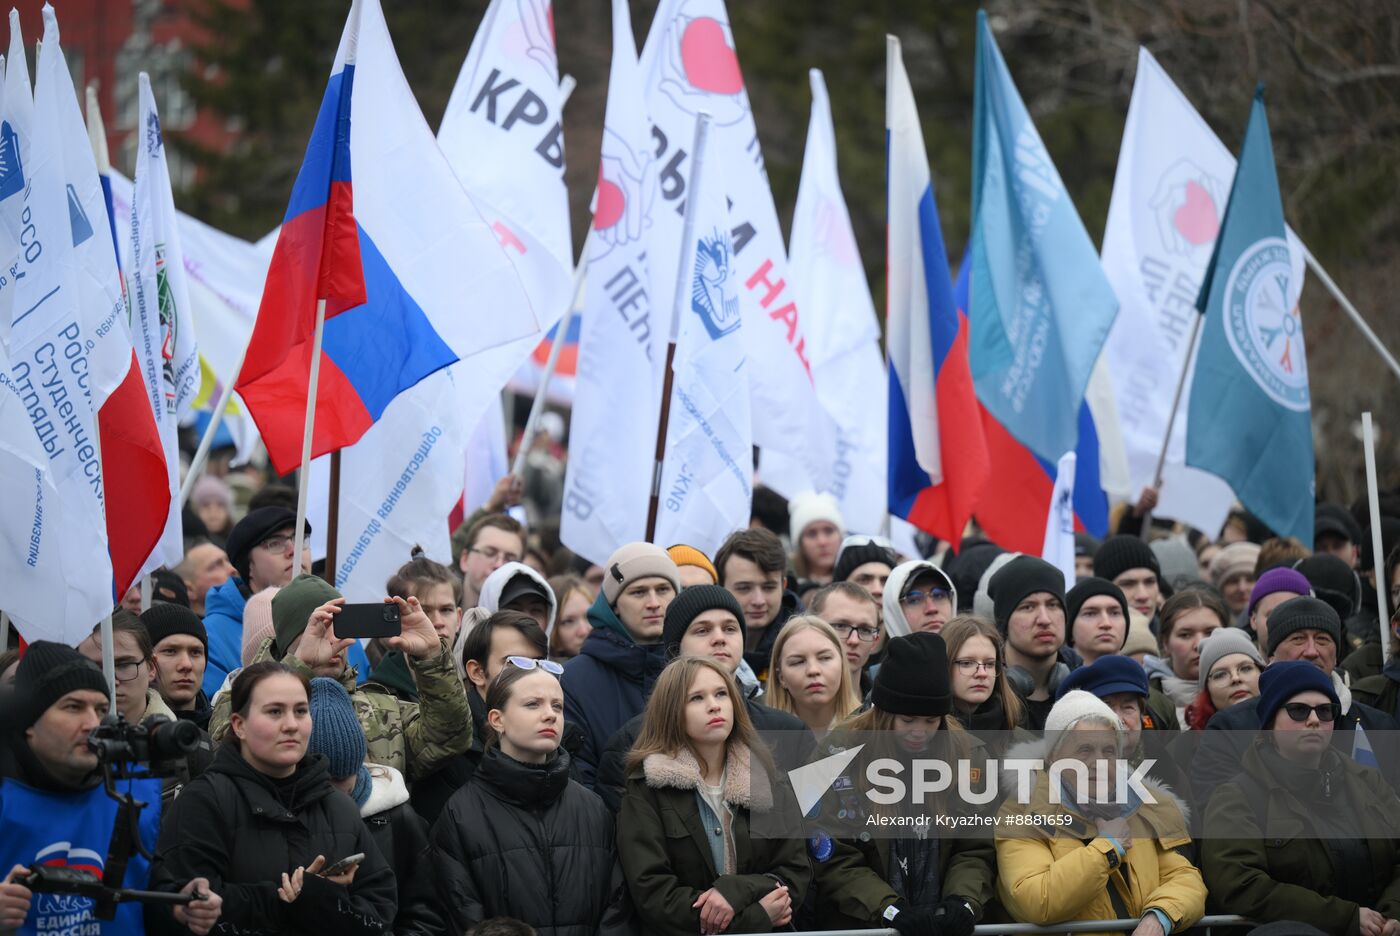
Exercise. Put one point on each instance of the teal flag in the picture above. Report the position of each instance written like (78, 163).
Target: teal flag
(1040, 306)
(1250, 420)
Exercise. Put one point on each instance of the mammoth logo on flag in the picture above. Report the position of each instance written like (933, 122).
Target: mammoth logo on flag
(701, 72)
(1187, 204)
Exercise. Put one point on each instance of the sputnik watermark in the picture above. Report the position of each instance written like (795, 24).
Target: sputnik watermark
(1121, 785)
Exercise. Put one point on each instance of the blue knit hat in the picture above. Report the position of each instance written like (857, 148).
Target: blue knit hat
(1283, 680)
(1106, 676)
(336, 733)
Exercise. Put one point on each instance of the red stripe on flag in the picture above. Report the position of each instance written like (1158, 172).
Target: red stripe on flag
(1012, 512)
(277, 403)
(342, 279)
(137, 488)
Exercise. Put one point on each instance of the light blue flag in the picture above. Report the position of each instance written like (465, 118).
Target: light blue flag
(1250, 420)
(1040, 305)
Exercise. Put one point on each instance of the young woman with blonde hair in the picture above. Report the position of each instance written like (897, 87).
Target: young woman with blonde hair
(808, 675)
(698, 766)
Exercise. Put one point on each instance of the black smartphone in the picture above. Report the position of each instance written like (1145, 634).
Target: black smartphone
(368, 620)
(343, 865)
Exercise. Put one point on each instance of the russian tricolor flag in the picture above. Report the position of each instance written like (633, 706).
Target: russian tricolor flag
(938, 456)
(377, 340)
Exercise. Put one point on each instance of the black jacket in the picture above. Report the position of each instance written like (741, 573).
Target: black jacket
(402, 837)
(761, 655)
(525, 841)
(794, 746)
(1230, 733)
(200, 713)
(242, 830)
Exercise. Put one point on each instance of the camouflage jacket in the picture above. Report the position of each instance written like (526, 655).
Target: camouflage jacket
(413, 738)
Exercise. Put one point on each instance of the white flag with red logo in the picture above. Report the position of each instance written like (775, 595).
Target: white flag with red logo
(691, 65)
(503, 134)
(624, 324)
(1169, 195)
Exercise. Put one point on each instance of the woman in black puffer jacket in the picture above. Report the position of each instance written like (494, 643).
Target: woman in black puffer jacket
(521, 839)
(264, 819)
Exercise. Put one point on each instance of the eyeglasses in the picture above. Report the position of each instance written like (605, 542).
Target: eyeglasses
(276, 544)
(915, 598)
(491, 554)
(866, 634)
(529, 663)
(1326, 712)
(1219, 677)
(126, 672)
(972, 667)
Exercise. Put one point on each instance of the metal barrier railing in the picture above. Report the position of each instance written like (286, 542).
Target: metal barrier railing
(1031, 929)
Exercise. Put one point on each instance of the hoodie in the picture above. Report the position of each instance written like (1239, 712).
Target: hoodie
(496, 582)
(895, 622)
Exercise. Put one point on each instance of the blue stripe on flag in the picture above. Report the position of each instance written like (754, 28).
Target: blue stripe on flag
(328, 150)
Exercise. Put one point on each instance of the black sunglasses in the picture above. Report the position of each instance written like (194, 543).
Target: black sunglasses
(1326, 712)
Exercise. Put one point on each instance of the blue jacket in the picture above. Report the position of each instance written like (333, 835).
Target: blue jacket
(223, 621)
(607, 684)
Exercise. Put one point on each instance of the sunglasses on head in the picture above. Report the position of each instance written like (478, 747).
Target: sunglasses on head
(529, 663)
(1299, 711)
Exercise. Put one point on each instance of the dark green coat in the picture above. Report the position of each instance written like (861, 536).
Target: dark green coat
(1287, 874)
(665, 851)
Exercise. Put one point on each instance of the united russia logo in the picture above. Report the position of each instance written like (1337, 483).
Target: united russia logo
(1263, 326)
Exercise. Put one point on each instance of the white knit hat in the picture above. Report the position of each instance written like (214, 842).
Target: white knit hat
(1072, 708)
(809, 507)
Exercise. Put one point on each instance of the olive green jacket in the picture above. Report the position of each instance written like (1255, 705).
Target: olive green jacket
(1284, 871)
(415, 738)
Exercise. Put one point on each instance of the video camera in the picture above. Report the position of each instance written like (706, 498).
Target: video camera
(156, 748)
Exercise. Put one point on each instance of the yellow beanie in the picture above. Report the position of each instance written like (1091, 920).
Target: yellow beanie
(683, 555)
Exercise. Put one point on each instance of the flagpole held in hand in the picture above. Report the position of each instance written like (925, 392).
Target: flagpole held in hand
(1368, 438)
(1171, 419)
(304, 475)
(683, 281)
(332, 517)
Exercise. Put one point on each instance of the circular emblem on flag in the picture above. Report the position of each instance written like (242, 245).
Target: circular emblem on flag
(1263, 326)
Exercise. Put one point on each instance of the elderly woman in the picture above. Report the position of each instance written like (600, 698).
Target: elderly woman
(1086, 859)
(1315, 836)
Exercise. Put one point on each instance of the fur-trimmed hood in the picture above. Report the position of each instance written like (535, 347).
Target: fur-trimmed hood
(1038, 749)
(387, 790)
(742, 787)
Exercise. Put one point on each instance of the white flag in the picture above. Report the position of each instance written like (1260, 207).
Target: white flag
(1169, 197)
(17, 114)
(487, 460)
(397, 486)
(503, 136)
(691, 65)
(1059, 522)
(160, 307)
(707, 478)
(622, 339)
(224, 277)
(843, 334)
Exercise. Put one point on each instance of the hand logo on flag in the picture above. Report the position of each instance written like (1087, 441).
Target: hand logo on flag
(1265, 333)
(712, 297)
(1187, 205)
(537, 35)
(701, 71)
(626, 192)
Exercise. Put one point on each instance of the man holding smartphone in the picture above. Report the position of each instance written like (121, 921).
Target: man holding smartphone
(413, 738)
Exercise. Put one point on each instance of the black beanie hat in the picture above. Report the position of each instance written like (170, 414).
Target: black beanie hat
(1304, 613)
(163, 619)
(913, 679)
(690, 604)
(1333, 581)
(1022, 576)
(1082, 592)
(853, 557)
(47, 672)
(1120, 553)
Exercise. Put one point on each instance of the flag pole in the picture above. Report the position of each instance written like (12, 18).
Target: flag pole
(206, 442)
(532, 422)
(304, 476)
(1368, 438)
(685, 267)
(109, 651)
(1350, 310)
(4, 631)
(1146, 531)
(332, 518)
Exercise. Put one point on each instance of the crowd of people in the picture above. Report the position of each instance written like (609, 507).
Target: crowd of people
(554, 746)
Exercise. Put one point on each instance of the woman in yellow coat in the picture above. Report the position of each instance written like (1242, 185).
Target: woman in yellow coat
(1083, 856)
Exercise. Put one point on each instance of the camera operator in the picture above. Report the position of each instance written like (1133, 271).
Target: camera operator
(53, 808)
(138, 697)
